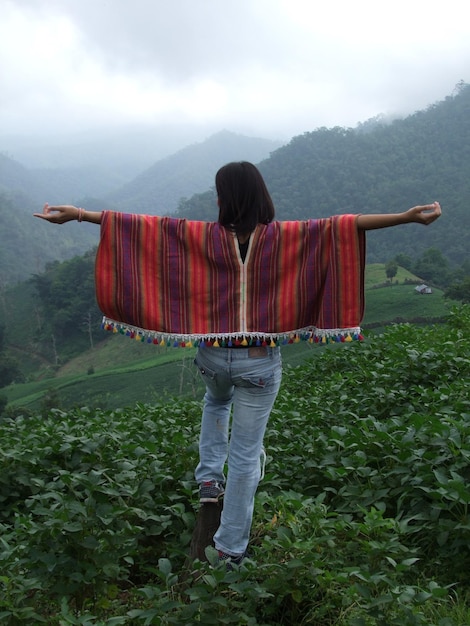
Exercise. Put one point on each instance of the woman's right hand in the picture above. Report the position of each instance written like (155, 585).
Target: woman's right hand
(59, 214)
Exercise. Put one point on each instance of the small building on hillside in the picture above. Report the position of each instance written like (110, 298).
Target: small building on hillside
(423, 289)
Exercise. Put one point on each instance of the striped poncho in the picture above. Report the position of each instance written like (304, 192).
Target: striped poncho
(165, 279)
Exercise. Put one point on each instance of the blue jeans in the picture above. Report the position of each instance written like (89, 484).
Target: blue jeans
(248, 379)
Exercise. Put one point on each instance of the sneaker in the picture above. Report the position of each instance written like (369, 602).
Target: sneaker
(230, 560)
(210, 491)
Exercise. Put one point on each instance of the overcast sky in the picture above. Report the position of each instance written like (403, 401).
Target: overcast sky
(272, 68)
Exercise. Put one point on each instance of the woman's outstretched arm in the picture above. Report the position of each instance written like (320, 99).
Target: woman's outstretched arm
(67, 213)
(424, 214)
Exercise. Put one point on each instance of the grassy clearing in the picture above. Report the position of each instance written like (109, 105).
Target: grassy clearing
(388, 302)
(375, 275)
(403, 304)
(169, 374)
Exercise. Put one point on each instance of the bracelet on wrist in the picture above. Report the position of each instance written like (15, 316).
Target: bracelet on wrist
(80, 214)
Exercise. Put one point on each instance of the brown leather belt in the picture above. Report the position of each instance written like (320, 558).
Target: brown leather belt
(257, 352)
(254, 352)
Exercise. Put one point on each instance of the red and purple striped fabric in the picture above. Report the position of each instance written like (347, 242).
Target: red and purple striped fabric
(186, 278)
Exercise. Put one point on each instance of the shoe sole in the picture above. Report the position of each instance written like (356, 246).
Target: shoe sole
(213, 500)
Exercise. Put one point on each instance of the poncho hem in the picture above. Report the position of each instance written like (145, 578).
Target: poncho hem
(310, 334)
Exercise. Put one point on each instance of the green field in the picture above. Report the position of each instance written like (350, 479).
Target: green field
(403, 303)
(167, 374)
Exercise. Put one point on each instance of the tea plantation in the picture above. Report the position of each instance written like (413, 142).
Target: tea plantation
(362, 518)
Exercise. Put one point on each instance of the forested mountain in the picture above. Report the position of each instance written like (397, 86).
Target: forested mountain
(27, 244)
(159, 189)
(18, 180)
(55, 184)
(374, 167)
(377, 167)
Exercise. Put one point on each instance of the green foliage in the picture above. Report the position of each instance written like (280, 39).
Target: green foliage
(459, 290)
(67, 306)
(50, 401)
(404, 260)
(433, 266)
(85, 499)
(157, 375)
(362, 518)
(9, 370)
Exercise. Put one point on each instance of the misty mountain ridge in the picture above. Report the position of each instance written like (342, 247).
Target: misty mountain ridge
(376, 167)
(124, 149)
(160, 189)
(157, 190)
(113, 178)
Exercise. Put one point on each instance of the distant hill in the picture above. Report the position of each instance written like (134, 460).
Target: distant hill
(125, 150)
(19, 180)
(159, 189)
(54, 185)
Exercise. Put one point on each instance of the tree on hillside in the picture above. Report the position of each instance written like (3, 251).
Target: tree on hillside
(433, 267)
(391, 269)
(9, 370)
(459, 290)
(404, 260)
(68, 308)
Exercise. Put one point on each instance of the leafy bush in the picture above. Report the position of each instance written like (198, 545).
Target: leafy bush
(362, 517)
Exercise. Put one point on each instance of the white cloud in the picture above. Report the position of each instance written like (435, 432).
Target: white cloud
(275, 67)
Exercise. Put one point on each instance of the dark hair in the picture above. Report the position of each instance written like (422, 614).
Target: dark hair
(244, 199)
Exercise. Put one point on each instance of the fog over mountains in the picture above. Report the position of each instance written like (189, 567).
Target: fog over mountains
(110, 173)
(102, 164)
(378, 166)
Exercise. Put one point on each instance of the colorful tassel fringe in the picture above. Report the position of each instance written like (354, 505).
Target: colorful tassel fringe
(317, 336)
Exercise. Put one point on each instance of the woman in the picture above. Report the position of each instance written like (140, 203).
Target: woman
(242, 376)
